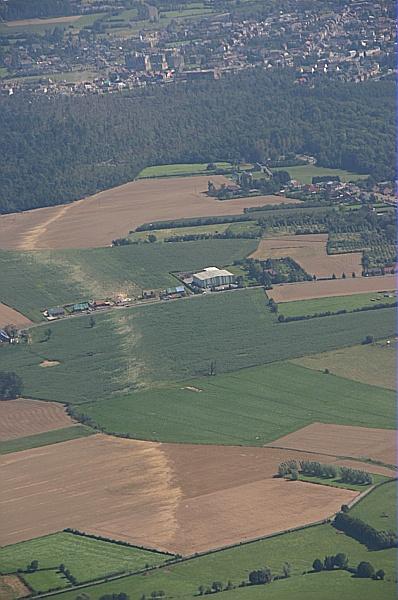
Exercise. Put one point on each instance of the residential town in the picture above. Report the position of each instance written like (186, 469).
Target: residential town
(124, 48)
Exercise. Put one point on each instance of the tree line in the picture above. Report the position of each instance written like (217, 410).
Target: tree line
(365, 533)
(58, 149)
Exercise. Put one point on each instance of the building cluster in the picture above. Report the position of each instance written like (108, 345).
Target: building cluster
(353, 42)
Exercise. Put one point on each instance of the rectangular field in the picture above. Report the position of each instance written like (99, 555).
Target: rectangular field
(342, 440)
(335, 303)
(22, 418)
(97, 220)
(309, 251)
(175, 170)
(278, 399)
(177, 498)
(308, 290)
(374, 364)
(305, 173)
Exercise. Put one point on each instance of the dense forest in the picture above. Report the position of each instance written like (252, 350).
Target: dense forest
(58, 149)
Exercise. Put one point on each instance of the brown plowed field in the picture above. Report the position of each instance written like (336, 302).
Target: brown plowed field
(97, 220)
(12, 587)
(309, 251)
(21, 417)
(176, 497)
(306, 290)
(9, 316)
(343, 440)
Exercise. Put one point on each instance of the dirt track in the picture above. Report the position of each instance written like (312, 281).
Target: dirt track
(343, 440)
(9, 316)
(97, 220)
(332, 287)
(309, 251)
(175, 497)
(22, 417)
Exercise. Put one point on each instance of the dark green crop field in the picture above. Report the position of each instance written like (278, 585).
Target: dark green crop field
(132, 348)
(33, 281)
(249, 407)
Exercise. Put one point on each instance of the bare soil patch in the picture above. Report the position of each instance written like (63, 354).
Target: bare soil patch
(97, 220)
(334, 287)
(343, 440)
(9, 316)
(309, 251)
(12, 587)
(49, 363)
(22, 417)
(175, 497)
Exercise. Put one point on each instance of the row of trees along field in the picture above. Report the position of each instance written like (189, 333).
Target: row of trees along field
(58, 149)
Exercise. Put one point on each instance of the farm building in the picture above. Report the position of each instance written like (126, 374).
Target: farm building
(55, 313)
(80, 307)
(212, 277)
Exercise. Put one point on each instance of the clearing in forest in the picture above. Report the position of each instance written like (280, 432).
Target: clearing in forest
(309, 251)
(173, 497)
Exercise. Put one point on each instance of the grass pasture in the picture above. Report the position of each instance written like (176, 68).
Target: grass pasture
(305, 173)
(334, 303)
(248, 407)
(34, 281)
(177, 170)
(299, 549)
(380, 508)
(173, 341)
(341, 484)
(374, 364)
(44, 439)
(85, 558)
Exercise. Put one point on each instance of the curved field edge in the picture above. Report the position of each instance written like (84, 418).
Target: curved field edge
(147, 345)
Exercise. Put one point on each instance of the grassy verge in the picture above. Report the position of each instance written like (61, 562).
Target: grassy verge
(45, 439)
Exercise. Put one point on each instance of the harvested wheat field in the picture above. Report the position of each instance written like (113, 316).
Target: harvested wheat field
(175, 497)
(12, 587)
(309, 251)
(9, 316)
(307, 290)
(22, 417)
(97, 220)
(343, 440)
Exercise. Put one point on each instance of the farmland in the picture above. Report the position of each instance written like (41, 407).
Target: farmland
(34, 281)
(278, 399)
(21, 418)
(335, 303)
(333, 287)
(176, 170)
(44, 439)
(298, 549)
(380, 509)
(310, 252)
(305, 173)
(9, 315)
(97, 220)
(85, 558)
(165, 497)
(374, 364)
(139, 346)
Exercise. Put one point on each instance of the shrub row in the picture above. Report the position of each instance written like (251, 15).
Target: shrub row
(364, 533)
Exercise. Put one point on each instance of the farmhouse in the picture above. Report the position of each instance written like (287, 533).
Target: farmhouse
(212, 277)
(55, 313)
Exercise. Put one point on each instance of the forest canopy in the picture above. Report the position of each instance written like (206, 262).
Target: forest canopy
(59, 149)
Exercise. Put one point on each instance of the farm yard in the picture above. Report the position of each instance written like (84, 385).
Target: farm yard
(97, 220)
(374, 364)
(379, 445)
(135, 347)
(210, 410)
(165, 497)
(310, 252)
(22, 418)
(333, 287)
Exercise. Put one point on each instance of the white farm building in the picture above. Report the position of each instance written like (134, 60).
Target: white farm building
(212, 277)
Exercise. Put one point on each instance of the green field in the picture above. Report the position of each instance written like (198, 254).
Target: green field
(172, 341)
(248, 407)
(334, 303)
(298, 548)
(176, 170)
(41, 581)
(85, 558)
(305, 173)
(341, 484)
(374, 364)
(44, 439)
(161, 234)
(34, 281)
(380, 508)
